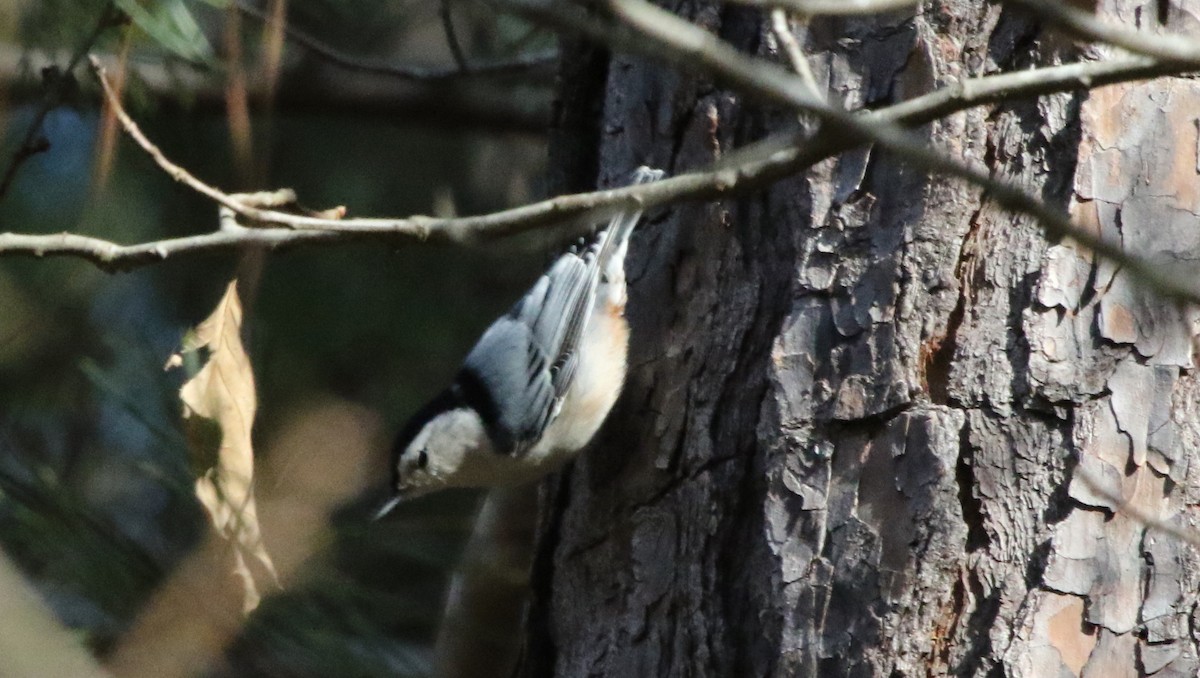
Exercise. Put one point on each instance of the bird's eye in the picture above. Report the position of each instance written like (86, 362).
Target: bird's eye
(422, 459)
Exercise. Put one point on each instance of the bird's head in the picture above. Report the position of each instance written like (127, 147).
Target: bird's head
(434, 449)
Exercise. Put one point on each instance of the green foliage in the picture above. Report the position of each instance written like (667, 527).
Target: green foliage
(171, 24)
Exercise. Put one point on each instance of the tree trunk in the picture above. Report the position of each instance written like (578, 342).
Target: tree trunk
(874, 425)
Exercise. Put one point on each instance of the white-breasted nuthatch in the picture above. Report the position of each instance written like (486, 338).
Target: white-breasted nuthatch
(538, 384)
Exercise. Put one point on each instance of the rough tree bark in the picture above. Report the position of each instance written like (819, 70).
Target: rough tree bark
(875, 425)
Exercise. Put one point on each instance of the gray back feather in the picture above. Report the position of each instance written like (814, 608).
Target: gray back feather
(519, 398)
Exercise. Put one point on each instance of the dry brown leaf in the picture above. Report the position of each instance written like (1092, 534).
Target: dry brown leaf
(194, 616)
(222, 393)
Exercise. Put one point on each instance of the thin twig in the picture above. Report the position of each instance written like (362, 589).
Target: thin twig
(1028, 83)
(34, 143)
(782, 28)
(1174, 48)
(1119, 505)
(174, 171)
(669, 37)
(518, 65)
(833, 7)
(456, 49)
(749, 168)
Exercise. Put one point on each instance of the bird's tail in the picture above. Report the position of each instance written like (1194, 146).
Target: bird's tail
(611, 259)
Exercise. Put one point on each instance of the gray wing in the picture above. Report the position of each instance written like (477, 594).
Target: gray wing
(559, 320)
(518, 373)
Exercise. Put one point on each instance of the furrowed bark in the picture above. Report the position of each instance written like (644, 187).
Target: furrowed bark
(874, 424)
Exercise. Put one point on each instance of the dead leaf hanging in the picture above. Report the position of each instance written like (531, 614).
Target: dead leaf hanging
(219, 404)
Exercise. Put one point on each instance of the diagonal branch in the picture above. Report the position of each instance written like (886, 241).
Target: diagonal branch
(833, 7)
(1023, 84)
(456, 50)
(1174, 48)
(679, 41)
(744, 170)
(782, 28)
(1122, 505)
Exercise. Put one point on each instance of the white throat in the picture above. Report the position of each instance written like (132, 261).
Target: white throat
(455, 442)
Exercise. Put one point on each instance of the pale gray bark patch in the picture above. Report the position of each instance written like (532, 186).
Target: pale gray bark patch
(1130, 575)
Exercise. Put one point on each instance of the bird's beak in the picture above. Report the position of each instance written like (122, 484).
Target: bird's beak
(387, 507)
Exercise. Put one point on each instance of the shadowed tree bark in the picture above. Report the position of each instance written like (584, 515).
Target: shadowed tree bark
(874, 425)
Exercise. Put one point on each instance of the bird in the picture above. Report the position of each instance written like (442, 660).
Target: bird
(537, 385)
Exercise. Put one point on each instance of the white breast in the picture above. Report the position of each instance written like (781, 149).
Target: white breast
(598, 381)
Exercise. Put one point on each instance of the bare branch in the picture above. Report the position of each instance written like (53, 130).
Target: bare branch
(456, 50)
(1029, 83)
(174, 171)
(34, 143)
(746, 169)
(418, 227)
(833, 7)
(782, 28)
(519, 65)
(1178, 49)
(687, 45)
(1121, 505)
(593, 206)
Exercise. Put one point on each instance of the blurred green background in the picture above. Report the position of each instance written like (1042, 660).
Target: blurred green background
(96, 502)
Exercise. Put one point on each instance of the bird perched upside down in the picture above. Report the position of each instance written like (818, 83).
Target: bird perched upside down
(538, 384)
